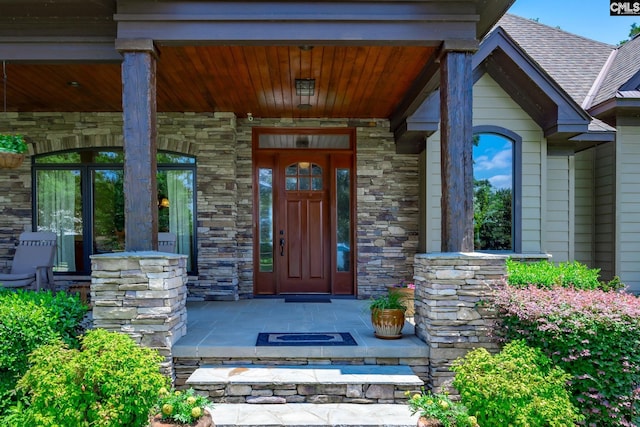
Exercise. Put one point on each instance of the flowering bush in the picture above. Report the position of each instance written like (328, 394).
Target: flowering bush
(441, 408)
(178, 406)
(405, 284)
(593, 335)
(517, 387)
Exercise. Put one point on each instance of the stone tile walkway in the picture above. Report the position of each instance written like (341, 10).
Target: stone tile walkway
(304, 415)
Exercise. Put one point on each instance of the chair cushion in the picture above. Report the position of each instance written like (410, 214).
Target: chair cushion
(16, 280)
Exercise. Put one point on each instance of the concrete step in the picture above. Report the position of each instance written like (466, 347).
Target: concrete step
(326, 384)
(307, 414)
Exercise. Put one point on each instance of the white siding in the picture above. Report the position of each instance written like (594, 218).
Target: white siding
(584, 207)
(492, 106)
(559, 219)
(604, 211)
(627, 227)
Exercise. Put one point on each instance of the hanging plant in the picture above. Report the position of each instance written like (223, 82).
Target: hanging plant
(12, 149)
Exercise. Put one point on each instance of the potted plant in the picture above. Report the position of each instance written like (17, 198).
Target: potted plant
(12, 149)
(387, 315)
(438, 410)
(407, 292)
(181, 408)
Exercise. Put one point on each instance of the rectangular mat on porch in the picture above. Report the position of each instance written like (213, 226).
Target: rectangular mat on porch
(307, 298)
(304, 339)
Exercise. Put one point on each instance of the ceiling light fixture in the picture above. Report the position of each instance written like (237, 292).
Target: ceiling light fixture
(73, 83)
(305, 87)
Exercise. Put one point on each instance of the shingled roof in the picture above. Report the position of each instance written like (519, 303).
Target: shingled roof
(573, 61)
(625, 64)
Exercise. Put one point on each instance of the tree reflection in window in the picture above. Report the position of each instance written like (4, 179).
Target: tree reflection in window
(493, 192)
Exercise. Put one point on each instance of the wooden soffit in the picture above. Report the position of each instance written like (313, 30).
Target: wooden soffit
(369, 59)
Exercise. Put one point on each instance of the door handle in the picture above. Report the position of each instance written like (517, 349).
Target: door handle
(282, 247)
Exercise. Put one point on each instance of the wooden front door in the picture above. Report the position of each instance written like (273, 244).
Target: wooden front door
(303, 211)
(303, 256)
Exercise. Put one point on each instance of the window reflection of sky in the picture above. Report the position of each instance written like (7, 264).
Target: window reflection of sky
(493, 160)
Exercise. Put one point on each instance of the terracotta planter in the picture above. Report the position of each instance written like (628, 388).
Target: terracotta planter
(408, 296)
(10, 160)
(429, 422)
(387, 323)
(205, 421)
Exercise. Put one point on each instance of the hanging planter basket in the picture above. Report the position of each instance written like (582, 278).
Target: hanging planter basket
(12, 149)
(10, 160)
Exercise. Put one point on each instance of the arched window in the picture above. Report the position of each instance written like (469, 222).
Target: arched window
(79, 196)
(496, 189)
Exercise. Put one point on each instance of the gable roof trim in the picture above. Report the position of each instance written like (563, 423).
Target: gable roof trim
(595, 88)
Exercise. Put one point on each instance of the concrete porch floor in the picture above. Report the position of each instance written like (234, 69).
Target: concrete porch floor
(230, 329)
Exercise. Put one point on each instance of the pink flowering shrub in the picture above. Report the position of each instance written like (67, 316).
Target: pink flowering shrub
(592, 335)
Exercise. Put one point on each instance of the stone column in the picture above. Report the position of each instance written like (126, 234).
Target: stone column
(142, 294)
(450, 314)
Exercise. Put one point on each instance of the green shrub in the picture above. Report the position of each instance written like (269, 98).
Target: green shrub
(592, 335)
(545, 274)
(440, 407)
(110, 382)
(185, 407)
(24, 326)
(28, 320)
(67, 310)
(517, 387)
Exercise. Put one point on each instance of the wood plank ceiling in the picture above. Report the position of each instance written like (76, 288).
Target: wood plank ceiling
(351, 82)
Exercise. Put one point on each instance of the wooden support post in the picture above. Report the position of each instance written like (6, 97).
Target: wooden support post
(456, 145)
(139, 130)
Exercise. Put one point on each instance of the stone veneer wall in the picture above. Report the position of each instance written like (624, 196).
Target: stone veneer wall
(450, 316)
(142, 294)
(387, 191)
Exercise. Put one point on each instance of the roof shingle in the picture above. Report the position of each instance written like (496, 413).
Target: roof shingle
(573, 61)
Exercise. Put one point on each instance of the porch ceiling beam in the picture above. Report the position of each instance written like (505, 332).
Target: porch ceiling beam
(58, 49)
(401, 23)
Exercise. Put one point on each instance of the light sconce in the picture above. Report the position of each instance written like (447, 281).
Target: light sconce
(302, 142)
(305, 87)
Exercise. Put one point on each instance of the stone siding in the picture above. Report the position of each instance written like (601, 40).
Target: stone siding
(451, 314)
(387, 191)
(144, 295)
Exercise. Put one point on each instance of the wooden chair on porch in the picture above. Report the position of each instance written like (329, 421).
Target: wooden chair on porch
(32, 262)
(167, 242)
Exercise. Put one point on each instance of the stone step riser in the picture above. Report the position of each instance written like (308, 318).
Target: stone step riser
(319, 384)
(306, 393)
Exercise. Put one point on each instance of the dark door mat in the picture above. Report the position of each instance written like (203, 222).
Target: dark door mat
(308, 298)
(305, 339)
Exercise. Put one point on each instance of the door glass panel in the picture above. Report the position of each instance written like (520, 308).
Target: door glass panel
(292, 184)
(108, 211)
(317, 184)
(265, 222)
(292, 170)
(60, 210)
(304, 168)
(343, 203)
(303, 176)
(304, 142)
(304, 183)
